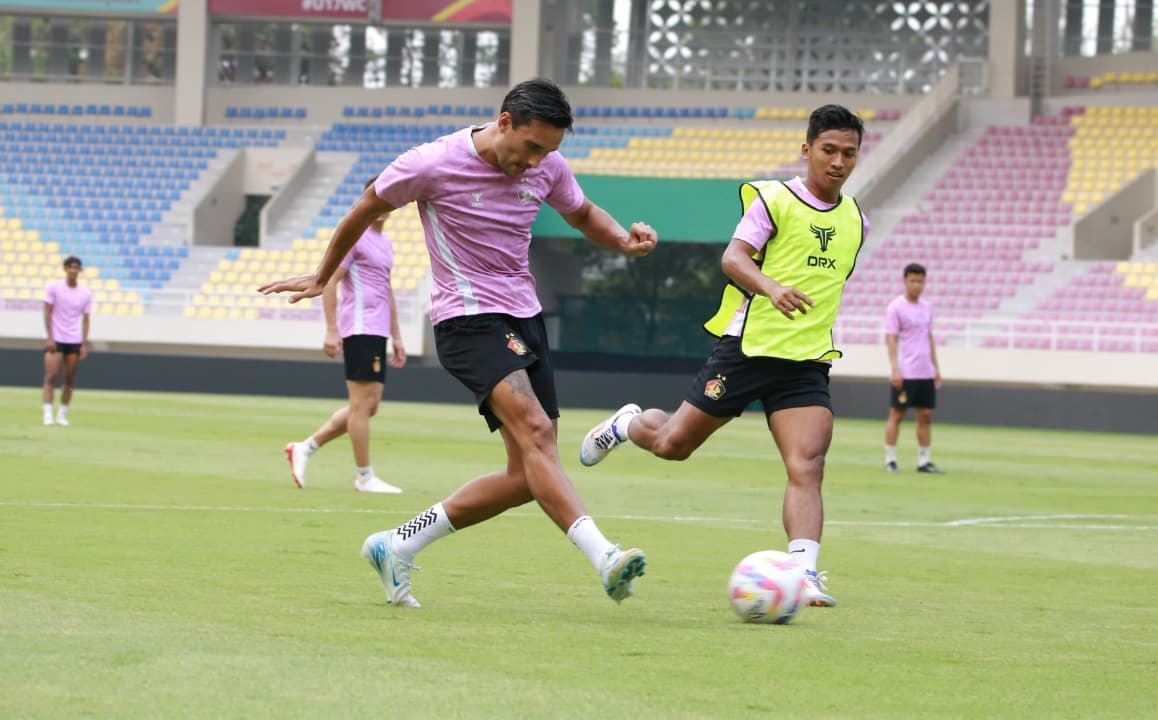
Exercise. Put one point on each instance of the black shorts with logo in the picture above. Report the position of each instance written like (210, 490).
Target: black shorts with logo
(481, 350)
(365, 358)
(68, 348)
(730, 381)
(914, 394)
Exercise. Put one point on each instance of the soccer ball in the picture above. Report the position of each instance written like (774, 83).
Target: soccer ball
(767, 587)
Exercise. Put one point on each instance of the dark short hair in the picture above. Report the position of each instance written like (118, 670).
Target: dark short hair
(72, 260)
(834, 117)
(914, 269)
(538, 99)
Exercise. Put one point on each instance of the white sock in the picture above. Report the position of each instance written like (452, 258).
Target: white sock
(365, 473)
(311, 445)
(424, 528)
(890, 453)
(587, 537)
(62, 411)
(619, 427)
(924, 455)
(804, 552)
(48, 409)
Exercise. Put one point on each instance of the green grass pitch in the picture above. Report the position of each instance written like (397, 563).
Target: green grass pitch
(157, 561)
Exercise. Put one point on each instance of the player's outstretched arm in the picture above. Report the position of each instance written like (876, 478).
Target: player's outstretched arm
(738, 265)
(367, 208)
(600, 228)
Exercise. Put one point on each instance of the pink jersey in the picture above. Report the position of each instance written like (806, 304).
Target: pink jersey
(69, 306)
(364, 293)
(477, 222)
(755, 228)
(912, 323)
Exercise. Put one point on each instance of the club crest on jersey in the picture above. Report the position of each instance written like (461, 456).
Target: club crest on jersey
(824, 235)
(377, 365)
(515, 345)
(714, 389)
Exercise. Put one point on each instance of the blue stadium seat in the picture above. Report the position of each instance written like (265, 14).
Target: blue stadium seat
(231, 112)
(299, 113)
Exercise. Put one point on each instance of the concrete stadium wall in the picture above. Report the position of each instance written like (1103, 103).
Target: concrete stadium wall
(639, 381)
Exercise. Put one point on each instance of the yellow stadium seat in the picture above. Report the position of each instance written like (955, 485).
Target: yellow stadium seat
(189, 311)
(205, 312)
(220, 313)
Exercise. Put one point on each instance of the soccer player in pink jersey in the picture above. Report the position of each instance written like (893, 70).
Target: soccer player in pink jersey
(358, 326)
(478, 191)
(915, 376)
(67, 306)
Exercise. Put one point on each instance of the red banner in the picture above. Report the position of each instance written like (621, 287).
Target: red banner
(348, 9)
(489, 12)
(460, 11)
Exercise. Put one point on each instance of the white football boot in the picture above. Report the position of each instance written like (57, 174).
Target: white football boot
(602, 439)
(392, 570)
(620, 567)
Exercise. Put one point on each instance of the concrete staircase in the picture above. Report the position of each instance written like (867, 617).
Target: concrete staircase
(329, 172)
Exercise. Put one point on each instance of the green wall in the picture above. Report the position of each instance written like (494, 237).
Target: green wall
(679, 210)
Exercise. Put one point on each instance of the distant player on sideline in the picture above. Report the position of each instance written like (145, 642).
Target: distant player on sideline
(478, 191)
(67, 306)
(787, 264)
(916, 376)
(358, 326)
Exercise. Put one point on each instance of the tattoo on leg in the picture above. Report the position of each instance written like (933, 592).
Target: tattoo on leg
(520, 383)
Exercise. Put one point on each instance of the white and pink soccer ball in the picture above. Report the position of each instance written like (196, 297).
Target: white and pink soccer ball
(767, 587)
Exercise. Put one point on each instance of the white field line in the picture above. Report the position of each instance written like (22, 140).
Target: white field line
(1034, 522)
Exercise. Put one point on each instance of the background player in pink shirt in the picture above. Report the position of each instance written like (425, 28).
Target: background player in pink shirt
(478, 190)
(67, 306)
(916, 376)
(358, 326)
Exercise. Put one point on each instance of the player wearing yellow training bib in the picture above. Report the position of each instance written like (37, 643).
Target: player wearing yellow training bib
(789, 259)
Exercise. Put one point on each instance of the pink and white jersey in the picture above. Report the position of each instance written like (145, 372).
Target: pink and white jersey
(912, 323)
(477, 222)
(364, 292)
(69, 306)
(755, 228)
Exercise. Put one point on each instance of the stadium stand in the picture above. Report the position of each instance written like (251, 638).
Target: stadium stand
(988, 228)
(228, 293)
(100, 191)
